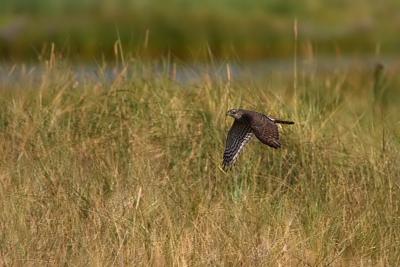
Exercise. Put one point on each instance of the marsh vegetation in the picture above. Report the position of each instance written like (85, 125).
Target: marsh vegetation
(87, 30)
(128, 171)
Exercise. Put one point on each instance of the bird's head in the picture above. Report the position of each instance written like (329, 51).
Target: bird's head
(235, 113)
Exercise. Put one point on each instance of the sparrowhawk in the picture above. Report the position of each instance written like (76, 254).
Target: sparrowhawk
(248, 123)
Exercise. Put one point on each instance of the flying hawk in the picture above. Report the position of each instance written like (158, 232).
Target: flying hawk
(248, 123)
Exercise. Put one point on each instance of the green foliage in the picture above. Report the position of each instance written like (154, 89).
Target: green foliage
(249, 29)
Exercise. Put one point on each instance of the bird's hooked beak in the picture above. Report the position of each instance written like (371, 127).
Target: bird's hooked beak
(233, 113)
(229, 113)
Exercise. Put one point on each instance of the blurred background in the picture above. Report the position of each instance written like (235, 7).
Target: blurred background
(87, 30)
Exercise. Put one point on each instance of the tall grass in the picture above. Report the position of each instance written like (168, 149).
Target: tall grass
(128, 171)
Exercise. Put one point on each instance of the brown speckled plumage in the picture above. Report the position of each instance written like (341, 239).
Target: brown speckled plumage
(248, 123)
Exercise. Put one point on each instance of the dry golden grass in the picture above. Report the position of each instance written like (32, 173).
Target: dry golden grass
(128, 172)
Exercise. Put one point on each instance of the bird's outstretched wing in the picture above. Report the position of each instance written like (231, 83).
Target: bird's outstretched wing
(266, 131)
(238, 136)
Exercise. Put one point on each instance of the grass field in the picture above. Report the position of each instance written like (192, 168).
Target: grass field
(128, 171)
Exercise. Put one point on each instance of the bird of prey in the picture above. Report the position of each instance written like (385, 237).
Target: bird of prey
(248, 123)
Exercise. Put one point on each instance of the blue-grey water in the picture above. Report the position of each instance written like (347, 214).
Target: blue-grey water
(189, 73)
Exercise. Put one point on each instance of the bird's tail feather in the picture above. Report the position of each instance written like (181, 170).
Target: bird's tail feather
(283, 122)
